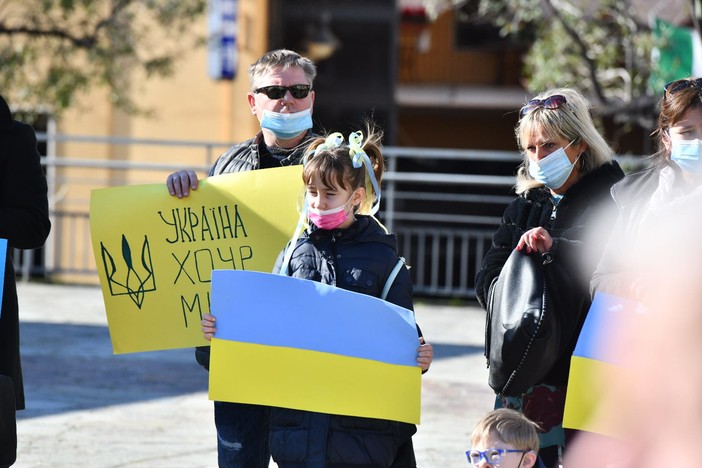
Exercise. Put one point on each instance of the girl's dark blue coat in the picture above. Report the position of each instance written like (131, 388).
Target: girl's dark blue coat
(358, 259)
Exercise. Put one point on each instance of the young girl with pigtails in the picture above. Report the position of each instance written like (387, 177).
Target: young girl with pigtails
(345, 246)
(339, 242)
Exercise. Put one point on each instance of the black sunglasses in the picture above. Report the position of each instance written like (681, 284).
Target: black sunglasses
(678, 85)
(552, 102)
(298, 91)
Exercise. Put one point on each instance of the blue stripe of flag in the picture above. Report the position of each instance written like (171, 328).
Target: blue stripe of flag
(263, 308)
(605, 320)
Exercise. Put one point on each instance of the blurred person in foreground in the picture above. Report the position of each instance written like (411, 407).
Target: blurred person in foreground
(662, 191)
(24, 222)
(654, 257)
(281, 98)
(562, 190)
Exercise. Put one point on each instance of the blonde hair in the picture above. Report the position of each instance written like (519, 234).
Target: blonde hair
(335, 166)
(572, 122)
(280, 58)
(508, 426)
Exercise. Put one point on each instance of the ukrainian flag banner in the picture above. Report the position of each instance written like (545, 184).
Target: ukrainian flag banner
(597, 365)
(300, 344)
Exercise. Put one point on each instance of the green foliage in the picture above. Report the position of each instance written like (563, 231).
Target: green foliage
(601, 48)
(513, 17)
(52, 51)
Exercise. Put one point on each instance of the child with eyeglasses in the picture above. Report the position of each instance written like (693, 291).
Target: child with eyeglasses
(505, 438)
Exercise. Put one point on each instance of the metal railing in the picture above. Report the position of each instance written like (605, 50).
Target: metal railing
(443, 205)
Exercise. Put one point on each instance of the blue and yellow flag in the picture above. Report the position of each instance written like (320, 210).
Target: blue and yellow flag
(300, 344)
(597, 365)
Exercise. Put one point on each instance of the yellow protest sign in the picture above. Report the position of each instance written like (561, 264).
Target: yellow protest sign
(155, 252)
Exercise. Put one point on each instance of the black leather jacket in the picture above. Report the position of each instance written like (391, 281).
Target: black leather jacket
(621, 259)
(245, 156)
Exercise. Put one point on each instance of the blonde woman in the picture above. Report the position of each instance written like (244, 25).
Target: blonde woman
(562, 186)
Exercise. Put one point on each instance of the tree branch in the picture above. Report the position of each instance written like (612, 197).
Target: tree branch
(591, 65)
(85, 42)
(117, 7)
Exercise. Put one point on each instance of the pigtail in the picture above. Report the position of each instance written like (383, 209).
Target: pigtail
(311, 147)
(373, 148)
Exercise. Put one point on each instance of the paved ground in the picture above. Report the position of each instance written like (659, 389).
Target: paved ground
(89, 407)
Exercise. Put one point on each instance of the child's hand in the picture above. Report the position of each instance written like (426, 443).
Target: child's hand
(208, 326)
(425, 354)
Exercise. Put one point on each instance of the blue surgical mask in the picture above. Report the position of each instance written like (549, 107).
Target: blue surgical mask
(553, 170)
(286, 126)
(687, 155)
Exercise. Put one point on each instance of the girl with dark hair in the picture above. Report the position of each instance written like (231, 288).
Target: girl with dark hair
(345, 246)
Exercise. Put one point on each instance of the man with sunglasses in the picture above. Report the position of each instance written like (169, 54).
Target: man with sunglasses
(281, 98)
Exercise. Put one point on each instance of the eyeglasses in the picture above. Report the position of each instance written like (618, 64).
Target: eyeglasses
(492, 456)
(678, 85)
(552, 102)
(298, 91)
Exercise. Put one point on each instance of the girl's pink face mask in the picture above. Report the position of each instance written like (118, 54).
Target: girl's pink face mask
(329, 219)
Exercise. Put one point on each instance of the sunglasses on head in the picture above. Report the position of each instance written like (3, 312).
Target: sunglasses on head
(552, 102)
(678, 85)
(298, 91)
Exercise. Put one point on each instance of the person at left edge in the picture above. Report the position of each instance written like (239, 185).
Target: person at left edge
(24, 222)
(281, 98)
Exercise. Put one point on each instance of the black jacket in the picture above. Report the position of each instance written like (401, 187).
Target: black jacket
(245, 156)
(572, 224)
(358, 259)
(622, 257)
(24, 222)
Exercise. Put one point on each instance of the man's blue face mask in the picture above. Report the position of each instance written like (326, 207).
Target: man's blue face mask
(286, 126)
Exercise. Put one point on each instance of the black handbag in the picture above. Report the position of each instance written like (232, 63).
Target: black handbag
(528, 327)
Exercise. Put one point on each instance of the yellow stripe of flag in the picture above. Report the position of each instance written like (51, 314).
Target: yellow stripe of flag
(586, 406)
(313, 381)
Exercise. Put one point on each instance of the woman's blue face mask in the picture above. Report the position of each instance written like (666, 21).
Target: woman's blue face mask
(687, 154)
(553, 170)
